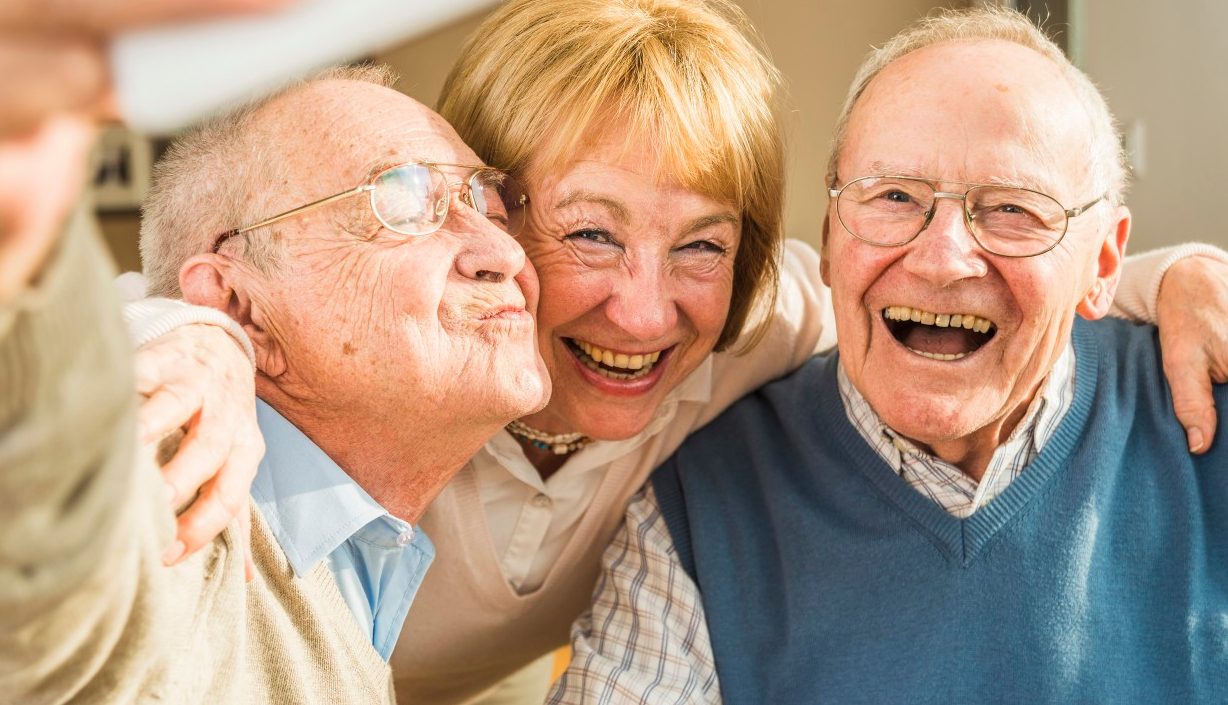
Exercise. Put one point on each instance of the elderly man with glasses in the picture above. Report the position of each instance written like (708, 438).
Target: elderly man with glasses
(977, 498)
(396, 292)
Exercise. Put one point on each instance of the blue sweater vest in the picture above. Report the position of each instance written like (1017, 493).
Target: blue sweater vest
(1099, 576)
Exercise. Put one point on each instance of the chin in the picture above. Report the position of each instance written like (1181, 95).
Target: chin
(534, 392)
(611, 423)
(931, 419)
(519, 392)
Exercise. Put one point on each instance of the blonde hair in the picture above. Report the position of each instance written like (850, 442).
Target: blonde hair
(1107, 166)
(214, 178)
(539, 78)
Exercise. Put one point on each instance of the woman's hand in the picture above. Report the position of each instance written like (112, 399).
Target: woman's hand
(198, 379)
(1192, 314)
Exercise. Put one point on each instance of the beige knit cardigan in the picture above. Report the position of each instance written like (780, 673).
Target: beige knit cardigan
(88, 614)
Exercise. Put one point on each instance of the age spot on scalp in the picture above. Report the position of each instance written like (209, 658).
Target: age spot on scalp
(347, 349)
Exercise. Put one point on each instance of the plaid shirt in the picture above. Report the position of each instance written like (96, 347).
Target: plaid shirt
(646, 638)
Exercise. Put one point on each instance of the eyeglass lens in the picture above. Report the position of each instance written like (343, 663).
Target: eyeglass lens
(412, 199)
(500, 198)
(1007, 221)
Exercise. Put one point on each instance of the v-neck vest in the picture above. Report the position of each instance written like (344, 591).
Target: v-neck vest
(1099, 575)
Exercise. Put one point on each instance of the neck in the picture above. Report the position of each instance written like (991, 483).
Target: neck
(545, 462)
(973, 452)
(403, 464)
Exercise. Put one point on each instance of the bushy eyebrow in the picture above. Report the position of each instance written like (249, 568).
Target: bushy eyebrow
(616, 208)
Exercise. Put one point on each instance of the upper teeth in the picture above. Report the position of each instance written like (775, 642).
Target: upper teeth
(612, 359)
(942, 320)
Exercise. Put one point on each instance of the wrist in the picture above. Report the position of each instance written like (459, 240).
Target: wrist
(151, 319)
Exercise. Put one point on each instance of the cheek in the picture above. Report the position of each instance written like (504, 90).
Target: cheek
(705, 303)
(853, 272)
(568, 295)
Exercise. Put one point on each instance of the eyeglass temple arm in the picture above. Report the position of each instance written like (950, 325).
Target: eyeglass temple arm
(1083, 208)
(361, 188)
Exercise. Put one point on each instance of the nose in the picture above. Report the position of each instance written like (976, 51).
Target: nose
(488, 253)
(945, 251)
(643, 304)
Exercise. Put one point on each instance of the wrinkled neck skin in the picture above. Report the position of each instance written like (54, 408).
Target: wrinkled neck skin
(403, 462)
(972, 453)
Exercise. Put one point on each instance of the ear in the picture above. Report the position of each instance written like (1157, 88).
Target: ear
(1097, 300)
(213, 281)
(824, 263)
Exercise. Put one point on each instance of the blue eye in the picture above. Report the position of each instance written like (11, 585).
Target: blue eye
(600, 237)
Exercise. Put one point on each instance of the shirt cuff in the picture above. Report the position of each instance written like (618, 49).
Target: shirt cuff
(150, 319)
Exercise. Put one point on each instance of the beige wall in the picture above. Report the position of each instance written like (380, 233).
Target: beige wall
(1162, 65)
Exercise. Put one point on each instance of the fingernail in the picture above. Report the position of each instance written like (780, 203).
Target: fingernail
(1194, 435)
(174, 553)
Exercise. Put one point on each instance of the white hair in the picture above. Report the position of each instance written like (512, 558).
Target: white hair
(1106, 165)
(212, 179)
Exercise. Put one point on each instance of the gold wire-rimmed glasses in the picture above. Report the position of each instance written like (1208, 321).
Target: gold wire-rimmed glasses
(1008, 221)
(413, 199)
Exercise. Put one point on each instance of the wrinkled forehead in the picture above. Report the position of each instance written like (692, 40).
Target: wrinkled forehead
(983, 111)
(342, 130)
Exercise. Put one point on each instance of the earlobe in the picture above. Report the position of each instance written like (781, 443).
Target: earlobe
(1099, 297)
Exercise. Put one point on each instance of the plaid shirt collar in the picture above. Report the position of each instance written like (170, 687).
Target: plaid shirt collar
(941, 481)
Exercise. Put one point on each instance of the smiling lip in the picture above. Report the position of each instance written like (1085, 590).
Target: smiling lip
(618, 387)
(937, 336)
(509, 311)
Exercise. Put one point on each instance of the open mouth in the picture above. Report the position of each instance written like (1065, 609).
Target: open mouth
(614, 365)
(938, 336)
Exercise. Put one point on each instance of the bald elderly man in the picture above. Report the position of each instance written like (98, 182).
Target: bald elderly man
(978, 498)
(367, 253)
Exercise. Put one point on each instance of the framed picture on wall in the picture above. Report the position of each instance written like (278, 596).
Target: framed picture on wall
(123, 163)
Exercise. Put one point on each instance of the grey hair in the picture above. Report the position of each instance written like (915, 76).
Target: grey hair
(1107, 166)
(212, 180)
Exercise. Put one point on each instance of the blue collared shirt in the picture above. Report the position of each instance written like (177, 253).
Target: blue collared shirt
(318, 513)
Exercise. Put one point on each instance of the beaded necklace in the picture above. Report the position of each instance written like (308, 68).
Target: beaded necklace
(557, 443)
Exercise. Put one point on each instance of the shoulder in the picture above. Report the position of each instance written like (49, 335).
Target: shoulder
(1131, 381)
(772, 416)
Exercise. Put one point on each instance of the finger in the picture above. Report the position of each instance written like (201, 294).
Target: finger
(47, 75)
(167, 409)
(1194, 405)
(221, 501)
(245, 537)
(108, 16)
(195, 463)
